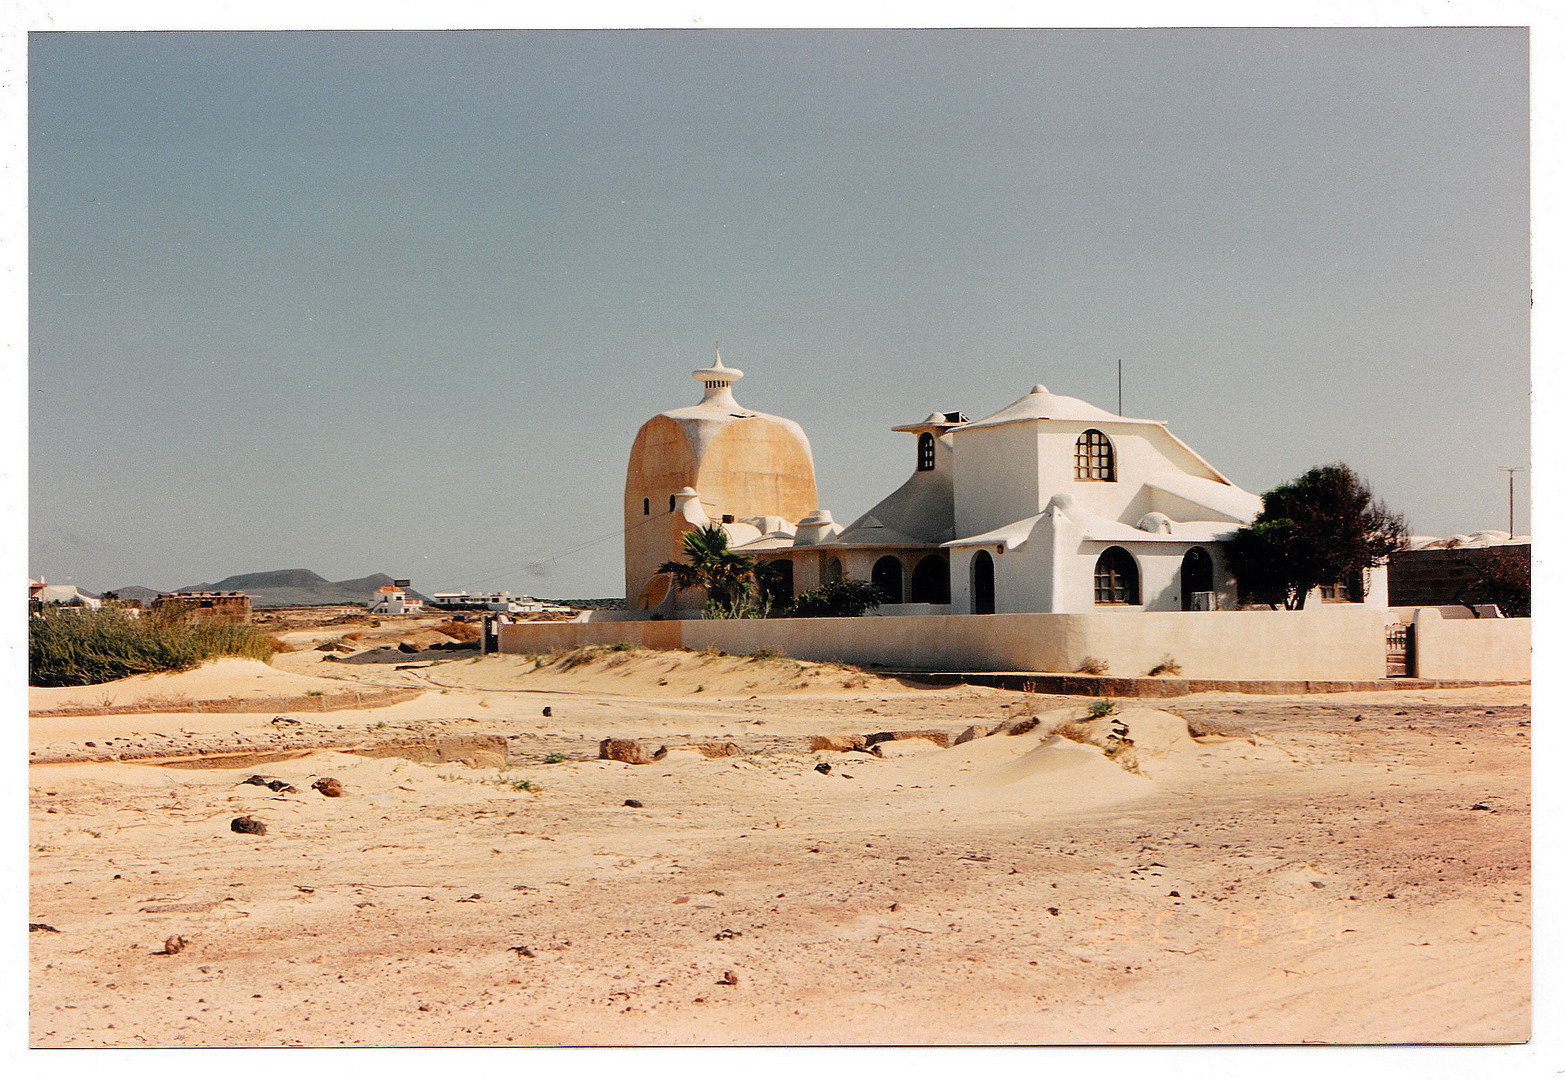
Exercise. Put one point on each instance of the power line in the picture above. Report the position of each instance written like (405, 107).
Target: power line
(500, 573)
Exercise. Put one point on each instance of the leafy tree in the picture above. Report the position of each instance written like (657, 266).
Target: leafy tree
(729, 578)
(1503, 578)
(1321, 528)
(847, 598)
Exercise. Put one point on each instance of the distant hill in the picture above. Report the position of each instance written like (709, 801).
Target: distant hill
(284, 588)
(135, 592)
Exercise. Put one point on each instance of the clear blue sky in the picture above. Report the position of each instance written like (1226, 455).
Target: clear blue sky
(399, 302)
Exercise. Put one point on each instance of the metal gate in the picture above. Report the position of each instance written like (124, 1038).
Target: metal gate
(1399, 651)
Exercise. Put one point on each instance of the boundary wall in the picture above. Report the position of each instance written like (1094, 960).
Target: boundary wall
(1339, 642)
(1471, 648)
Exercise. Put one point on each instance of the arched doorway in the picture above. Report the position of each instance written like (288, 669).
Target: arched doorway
(1195, 576)
(777, 582)
(887, 577)
(983, 584)
(931, 581)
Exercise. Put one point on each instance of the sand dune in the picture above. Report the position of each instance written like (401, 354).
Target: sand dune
(1324, 873)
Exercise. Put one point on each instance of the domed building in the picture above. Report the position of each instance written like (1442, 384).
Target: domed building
(1049, 504)
(714, 461)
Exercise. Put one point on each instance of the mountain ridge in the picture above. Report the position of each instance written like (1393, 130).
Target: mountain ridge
(296, 587)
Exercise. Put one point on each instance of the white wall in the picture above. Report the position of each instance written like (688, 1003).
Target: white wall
(1471, 648)
(995, 476)
(1342, 642)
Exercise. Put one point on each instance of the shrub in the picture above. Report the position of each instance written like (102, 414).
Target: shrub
(848, 598)
(1166, 666)
(1103, 708)
(83, 646)
(1092, 665)
(553, 759)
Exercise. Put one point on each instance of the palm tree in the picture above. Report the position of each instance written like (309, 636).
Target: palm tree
(728, 577)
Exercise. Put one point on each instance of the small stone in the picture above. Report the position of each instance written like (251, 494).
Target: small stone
(521, 950)
(718, 749)
(248, 825)
(636, 803)
(823, 768)
(1174, 892)
(328, 786)
(173, 944)
(726, 934)
(548, 710)
(836, 742)
(282, 787)
(969, 733)
(34, 927)
(629, 751)
(729, 979)
(257, 779)
(1053, 910)
(1318, 884)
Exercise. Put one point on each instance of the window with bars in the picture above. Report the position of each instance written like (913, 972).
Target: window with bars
(1114, 580)
(1094, 456)
(926, 452)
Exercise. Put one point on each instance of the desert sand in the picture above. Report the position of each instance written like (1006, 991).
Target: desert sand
(1327, 868)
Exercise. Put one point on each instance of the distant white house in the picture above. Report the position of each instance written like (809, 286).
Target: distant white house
(393, 600)
(494, 601)
(40, 593)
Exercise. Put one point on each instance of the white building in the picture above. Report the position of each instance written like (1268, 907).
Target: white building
(495, 601)
(393, 600)
(1047, 505)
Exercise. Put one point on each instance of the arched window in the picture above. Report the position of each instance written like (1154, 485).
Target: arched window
(1115, 580)
(983, 583)
(1195, 576)
(887, 576)
(1094, 456)
(931, 581)
(646, 506)
(926, 452)
(832, 571)
(671, 504)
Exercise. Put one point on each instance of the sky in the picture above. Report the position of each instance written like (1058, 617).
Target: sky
(398, 302)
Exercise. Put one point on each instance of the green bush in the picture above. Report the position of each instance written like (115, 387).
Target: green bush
(847, 598)
(79, 647)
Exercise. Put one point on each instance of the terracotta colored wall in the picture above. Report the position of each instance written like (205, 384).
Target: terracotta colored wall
(661, 462)
(757, 467)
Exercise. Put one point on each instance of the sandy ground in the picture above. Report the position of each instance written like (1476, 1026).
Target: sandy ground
(1341, 868)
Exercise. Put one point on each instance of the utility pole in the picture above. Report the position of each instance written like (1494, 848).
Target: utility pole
(1511, 471)
(1119, 363)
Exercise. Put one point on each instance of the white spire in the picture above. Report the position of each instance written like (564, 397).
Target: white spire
(718, 380)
